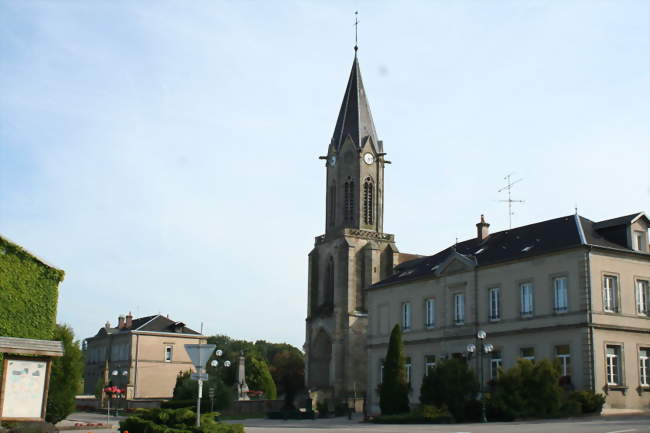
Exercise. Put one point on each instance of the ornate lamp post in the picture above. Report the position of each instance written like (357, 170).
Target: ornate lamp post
(481, 348)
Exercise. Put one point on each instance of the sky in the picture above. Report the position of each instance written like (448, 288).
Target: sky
(164, 154)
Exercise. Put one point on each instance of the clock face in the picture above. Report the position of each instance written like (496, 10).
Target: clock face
(368, 158)
(332, 160)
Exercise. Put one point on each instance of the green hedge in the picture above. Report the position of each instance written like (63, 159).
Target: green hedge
(175, 421)
(425, 414)
(28, 294)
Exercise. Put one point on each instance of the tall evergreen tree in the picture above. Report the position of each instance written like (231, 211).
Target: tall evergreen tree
(65, 377)
(394, 389)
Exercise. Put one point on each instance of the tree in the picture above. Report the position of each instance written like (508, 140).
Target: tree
(450, 383)
(288, 371)
(394, 389)
(259, 378)
(65, 376)
(186, 389)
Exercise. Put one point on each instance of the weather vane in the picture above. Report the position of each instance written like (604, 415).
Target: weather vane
(356, 28)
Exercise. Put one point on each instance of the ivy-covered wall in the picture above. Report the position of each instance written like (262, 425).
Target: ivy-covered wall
(28, 294)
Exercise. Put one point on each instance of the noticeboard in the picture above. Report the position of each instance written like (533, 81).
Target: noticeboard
(23, 392)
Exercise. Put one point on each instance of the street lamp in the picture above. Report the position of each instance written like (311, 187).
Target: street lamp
(108, 409)
(481, 348)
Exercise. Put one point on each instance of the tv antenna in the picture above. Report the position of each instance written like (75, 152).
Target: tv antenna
(510, 200)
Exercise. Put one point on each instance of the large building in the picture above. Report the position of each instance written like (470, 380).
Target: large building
(353, 253)
(146, 354)
(569, 289)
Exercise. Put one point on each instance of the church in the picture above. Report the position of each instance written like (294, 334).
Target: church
(353, 253)
(568, 289)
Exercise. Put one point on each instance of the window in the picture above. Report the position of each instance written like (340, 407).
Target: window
(430, 313)
(429, 363)
(640, 243)
(527, 353)
(644, 366)
(495, 364)
(610, 293)
(332, 204)
(169, 351)
(328, 299)
(613, 365)
(642, 297)
(563, 354)
(368, 201)
(494, 303)
(526, 294)
(381, 371)
(459, 308)
(406, 315)
(348, 199)
(561, 299)
(408, 369)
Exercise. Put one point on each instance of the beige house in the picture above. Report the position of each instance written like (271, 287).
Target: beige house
(568, 288)
(146, 353)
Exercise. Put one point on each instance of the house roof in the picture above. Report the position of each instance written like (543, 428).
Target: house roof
(354, 117)
(521, 242)
(154, 323)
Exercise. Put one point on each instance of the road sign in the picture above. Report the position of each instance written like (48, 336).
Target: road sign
(199, 353)
(199, 376)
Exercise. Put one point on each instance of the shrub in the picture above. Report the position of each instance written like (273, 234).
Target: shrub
(175, 421)
(529, 389)
(394, 389)
(65, 376)
(450, 383)
(425, 414)
(31, 427)
(589, 401)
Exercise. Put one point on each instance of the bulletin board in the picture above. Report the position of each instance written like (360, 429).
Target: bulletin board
(23, 389)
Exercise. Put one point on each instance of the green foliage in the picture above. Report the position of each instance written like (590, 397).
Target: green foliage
(66, 374)
(260, 356)
(450, 383)
(589, 401)
(288, 371)
(529, 389)
(28, 294)
(425, 414)
(175, 421)
(258, 377)
(29, 427)
(99, 388)
(394, 389)
(186, 390)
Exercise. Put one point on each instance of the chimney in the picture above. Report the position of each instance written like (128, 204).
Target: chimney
(129, 321)
(120, 322)
(482, 230)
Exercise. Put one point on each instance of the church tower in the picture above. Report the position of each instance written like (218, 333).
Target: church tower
(353, 253)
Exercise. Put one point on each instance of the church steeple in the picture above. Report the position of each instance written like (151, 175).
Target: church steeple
(354, 118)
(355, 164)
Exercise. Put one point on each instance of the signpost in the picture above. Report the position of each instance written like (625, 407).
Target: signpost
(199, 354)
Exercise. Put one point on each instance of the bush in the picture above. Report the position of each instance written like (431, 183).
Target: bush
(175, 421)
(529, 389)
(65, 376)
(425, 414)
(450, 383)
(589, 401)
(30, 427)
(394, 389)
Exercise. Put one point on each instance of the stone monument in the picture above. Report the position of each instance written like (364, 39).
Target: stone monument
(242, 388)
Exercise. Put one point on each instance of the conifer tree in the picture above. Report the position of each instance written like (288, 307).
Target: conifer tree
(394, 389)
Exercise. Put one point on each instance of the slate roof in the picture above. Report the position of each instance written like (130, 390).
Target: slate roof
(154, 323)
(521, 242)
(355, 118)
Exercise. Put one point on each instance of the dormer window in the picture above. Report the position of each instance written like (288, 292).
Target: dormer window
(640, 242)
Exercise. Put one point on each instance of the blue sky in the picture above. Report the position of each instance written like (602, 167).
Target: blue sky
(164, 154)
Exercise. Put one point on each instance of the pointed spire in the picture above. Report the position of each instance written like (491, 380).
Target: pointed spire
(355, 118)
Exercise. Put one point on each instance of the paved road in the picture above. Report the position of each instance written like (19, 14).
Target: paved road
(622, 424)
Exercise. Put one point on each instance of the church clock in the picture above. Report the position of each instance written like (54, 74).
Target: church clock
(368, 158)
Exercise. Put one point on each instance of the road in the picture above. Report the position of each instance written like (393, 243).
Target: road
(618, 424)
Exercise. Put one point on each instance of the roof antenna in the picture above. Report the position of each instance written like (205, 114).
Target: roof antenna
(510, 201)
(356, 28)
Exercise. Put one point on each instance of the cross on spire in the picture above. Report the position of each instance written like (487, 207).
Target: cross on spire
(356, 28)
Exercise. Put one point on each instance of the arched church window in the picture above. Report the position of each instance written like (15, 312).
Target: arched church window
(332, 204)
(348, 205)
(368, 201)
(329, 283)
